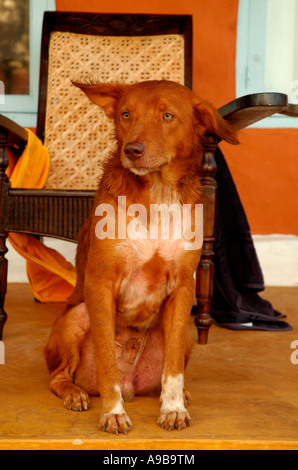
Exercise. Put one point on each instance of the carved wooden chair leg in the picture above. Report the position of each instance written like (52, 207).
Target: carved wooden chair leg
(204, 289)
(4, 186)
(205, 271)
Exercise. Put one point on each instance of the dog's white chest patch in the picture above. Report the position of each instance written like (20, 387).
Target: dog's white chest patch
(160, 232)
(144, 250)
(150, 275)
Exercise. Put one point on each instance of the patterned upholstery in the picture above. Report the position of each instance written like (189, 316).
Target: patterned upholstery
(78, 135)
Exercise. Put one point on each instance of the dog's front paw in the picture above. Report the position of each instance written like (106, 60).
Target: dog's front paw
(174, 420)
(115, 423)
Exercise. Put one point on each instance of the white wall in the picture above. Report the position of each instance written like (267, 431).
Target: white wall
(278, 256)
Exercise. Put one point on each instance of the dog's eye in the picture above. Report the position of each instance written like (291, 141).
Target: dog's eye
(168, 117)
(125, 115)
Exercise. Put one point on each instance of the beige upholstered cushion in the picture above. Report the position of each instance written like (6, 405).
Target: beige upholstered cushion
(78, 135)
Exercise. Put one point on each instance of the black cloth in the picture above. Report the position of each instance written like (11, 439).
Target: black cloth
(238, 277)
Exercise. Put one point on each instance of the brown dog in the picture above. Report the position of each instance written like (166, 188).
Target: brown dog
(125, 330)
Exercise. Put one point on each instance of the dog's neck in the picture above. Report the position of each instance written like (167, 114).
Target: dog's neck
(178, 181)
(161, 188)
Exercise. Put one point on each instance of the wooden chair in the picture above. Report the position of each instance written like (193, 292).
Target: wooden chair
(128, 48)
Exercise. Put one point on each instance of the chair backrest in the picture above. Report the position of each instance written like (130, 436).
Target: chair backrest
(124, 48)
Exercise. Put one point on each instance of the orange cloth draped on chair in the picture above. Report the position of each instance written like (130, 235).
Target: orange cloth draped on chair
(51, 277)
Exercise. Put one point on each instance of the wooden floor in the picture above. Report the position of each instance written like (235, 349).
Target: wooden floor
(244, 390)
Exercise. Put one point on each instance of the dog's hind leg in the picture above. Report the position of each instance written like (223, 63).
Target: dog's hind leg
(74, 398)
(62, 355)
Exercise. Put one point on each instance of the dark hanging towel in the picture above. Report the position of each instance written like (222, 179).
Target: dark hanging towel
(238, 277)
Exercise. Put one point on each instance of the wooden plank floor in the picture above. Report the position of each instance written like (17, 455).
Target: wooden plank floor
(243, 387)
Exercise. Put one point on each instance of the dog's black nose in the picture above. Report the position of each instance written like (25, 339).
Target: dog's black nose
(134, 150)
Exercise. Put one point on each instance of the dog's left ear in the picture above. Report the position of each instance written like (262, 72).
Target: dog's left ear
(208, 121)
(105, 95)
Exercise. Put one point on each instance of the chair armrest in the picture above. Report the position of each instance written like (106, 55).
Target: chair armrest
(292, 110)
(17, 135)
(249, 109)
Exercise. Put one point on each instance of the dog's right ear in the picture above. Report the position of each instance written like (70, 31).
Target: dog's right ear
(105, 95)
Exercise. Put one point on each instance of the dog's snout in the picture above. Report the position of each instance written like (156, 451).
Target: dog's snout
(134, 150)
